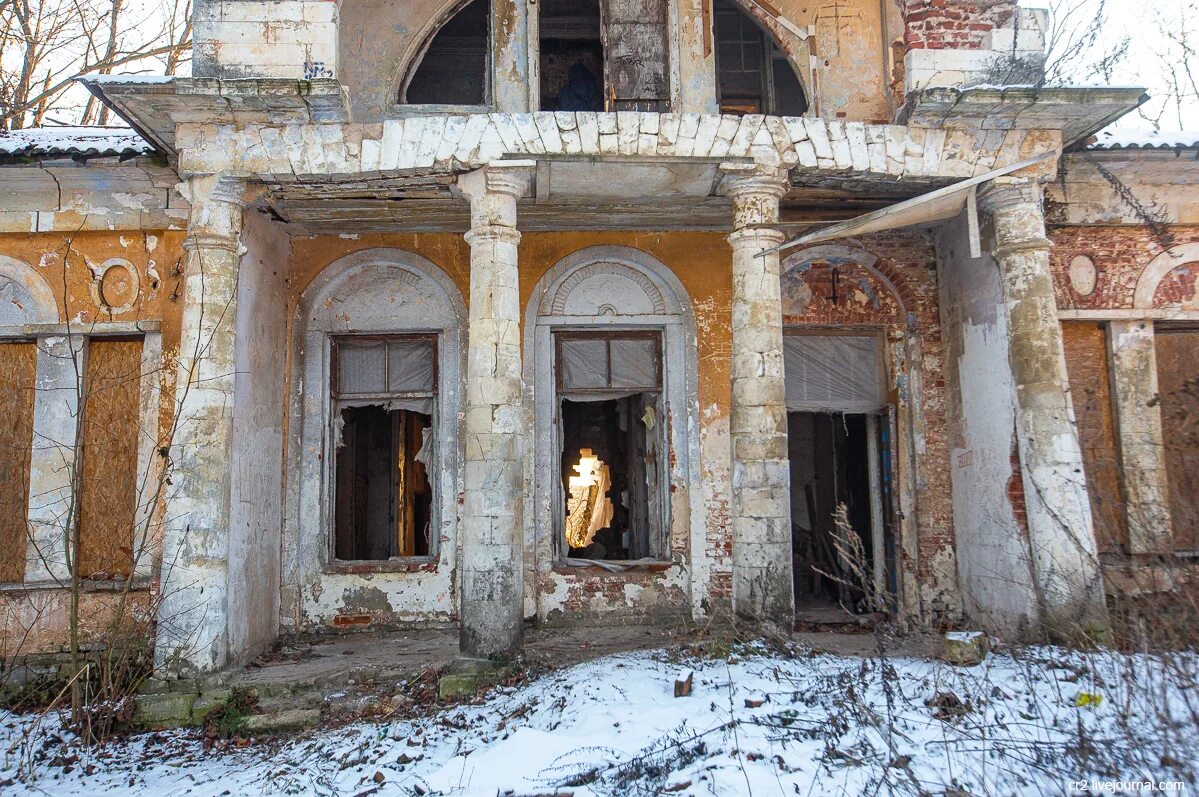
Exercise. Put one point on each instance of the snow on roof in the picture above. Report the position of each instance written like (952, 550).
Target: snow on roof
(146, 79)
(1145, 139)
(75, 142)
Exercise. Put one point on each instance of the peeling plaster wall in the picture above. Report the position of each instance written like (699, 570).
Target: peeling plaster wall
(257, 461)
(34, 618)
(265, 38)
(994, 561)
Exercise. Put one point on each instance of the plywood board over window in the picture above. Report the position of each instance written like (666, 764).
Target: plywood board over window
(18, 370)
(635, 54)
(1090, 392)
(1177, 349)
(108, 499)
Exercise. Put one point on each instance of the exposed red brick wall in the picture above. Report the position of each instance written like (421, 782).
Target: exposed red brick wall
(906, 260)
(953, 24)
(1090, 392)
(1120, 255)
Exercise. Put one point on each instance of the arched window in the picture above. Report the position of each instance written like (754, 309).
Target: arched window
(752, 74)
(454, 67)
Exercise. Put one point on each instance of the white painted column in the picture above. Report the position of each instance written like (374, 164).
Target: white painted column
(1065, 564)
(1139, 436)
(492, 513)
(511, 23)
(192, 612)
(763, 587)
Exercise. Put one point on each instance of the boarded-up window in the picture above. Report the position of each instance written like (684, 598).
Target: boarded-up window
(634, 39)
(1090, 391)
(108, 501)
(833, 372)
(1178, 386)
(18, 370)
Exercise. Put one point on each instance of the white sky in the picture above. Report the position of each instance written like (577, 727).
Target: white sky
(1151, 53)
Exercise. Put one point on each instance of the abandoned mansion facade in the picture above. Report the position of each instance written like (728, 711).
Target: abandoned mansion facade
(478, 313)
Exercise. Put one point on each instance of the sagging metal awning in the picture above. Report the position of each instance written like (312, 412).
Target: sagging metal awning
(940, 205)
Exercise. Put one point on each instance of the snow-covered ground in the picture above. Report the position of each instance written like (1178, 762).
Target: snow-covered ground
(756, 723)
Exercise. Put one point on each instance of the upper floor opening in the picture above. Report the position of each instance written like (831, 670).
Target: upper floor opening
(603, 55)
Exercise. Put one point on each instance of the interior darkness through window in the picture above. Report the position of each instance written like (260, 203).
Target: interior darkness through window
(572, 56)
(453, 71)
(383, 390)
(384, 501)
(752, 74)
(830, 465)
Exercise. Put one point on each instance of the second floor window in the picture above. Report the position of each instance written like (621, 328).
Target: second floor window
(454, 68)
(752, 74)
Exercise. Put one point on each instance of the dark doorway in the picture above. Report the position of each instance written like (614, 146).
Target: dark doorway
(838, 517)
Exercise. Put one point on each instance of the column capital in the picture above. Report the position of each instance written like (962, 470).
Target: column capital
(226, 188)
(755, 190)
(511, 177)
(1015, 206)
(1003, 193)
(494, 189)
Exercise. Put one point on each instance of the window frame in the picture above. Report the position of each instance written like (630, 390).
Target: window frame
(660, 532)
(336, 401)
(400, 104)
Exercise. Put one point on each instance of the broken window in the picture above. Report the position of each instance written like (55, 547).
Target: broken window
(603, 55)
(454, 68)
(753, 75)
(383, 402)
(612, 440)
(839, 446)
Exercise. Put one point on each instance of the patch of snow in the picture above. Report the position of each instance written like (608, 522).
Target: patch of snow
(126, 79)
(1114, 138)
(963, 636)
(813, 724)
(72, 140)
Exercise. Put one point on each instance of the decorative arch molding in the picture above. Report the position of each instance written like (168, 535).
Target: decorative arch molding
(375, 291)
(616, 288)
(25, 296)
(1157, 269)
(883, 272)
(610, 281)
(412, 55)
(394, 277)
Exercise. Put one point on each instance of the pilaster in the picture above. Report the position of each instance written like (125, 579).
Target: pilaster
(763, 586)
(192, 611)
(1139, 434)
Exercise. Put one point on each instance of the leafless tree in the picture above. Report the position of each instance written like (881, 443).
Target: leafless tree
(1175, 60)
(46, 44)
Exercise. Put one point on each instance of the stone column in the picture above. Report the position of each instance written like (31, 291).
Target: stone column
(492, 611)
(763, 588)
(1065, 565)
(1139, 431)
(192, 613)
(511, 23)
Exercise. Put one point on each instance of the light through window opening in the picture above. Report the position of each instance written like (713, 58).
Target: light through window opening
(611, 443)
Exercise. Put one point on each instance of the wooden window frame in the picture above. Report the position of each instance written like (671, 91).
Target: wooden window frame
(608, 336)
(400, 563)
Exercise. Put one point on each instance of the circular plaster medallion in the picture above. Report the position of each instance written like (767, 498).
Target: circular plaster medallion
(116, 286)
(1083, 275)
